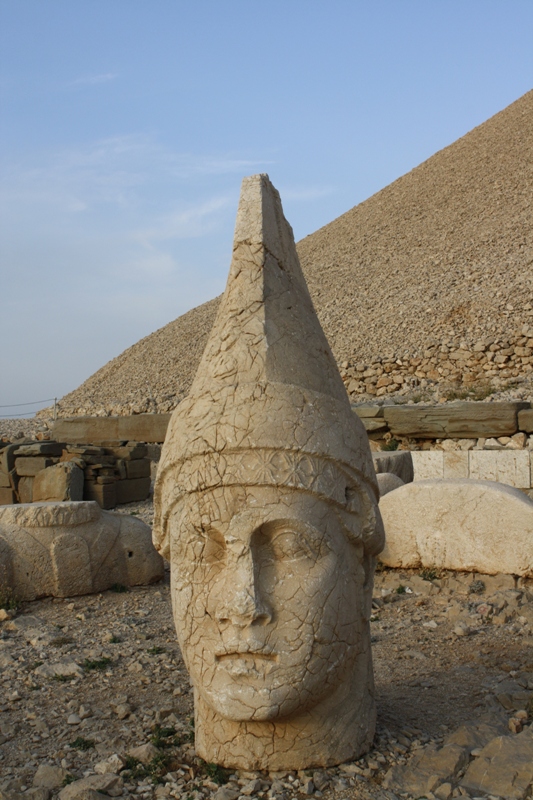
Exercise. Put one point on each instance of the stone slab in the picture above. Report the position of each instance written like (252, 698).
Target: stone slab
(5, 483)
(131, 491)
(464, 525)
(428, 464)
(31, 465)
(95, 430)
(454, 420)
(140, 468)
(399, 462)
(525, 420)
(374, 425)
(40, 449)
(511, 467)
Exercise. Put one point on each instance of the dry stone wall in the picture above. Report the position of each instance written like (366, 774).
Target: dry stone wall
(55, 471)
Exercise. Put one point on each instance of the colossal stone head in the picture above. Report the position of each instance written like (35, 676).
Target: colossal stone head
(266, 507)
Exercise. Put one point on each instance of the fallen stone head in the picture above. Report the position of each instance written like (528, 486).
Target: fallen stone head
(266, 506)
(73, 548)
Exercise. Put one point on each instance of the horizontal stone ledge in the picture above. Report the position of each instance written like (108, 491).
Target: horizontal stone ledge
(454, 420)
(97, 430)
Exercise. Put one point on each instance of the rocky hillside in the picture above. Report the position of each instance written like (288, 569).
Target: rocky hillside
(428, 283)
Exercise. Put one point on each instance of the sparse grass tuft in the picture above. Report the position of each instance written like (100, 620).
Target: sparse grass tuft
(430, 573)
(82, 744)
(155, 650)
(8, 600)
(215, 772)
(392, 444)
(97, 663)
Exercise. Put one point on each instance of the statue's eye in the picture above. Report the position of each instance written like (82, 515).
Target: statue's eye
(289, 545)
(214, 548)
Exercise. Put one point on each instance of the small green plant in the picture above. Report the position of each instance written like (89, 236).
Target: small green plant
(155, 770)
(476, 587)
(164, 737)
(97, 663)
(62, 678)
(216, 773)
(82, 744)
(400, 589)
(118, 588)
(8, 600)
(115, 640)
(429, 573)
(68, 779)
(155, 650)
(392, 444)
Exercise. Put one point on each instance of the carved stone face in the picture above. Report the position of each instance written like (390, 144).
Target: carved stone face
(268, 597)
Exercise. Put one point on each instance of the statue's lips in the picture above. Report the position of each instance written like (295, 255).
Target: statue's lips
(245, 651)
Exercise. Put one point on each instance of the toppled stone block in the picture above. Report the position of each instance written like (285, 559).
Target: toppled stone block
(454, 420)
(7, 497)
(131, 491)
(399, 462)
(31, 465)
(459, 525)
(93, 787)
(58, 483)
(103, 494)
(69, 548)
(139, 468)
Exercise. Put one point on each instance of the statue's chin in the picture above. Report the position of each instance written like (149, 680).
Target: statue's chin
(254, 706)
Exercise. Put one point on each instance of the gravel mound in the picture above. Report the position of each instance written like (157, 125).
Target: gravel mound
(443, 255)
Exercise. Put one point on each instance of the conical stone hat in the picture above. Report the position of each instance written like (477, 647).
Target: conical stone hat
(267, 405)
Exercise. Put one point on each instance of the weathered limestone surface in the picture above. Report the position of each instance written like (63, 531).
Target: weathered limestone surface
(460, 525)
(266, 506)
(61, 482)
(455, 420)
(96, 430)
(399, 462)
(71, 548)
(511, 467)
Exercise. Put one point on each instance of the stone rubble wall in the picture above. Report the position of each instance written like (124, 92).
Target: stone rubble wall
(484, 363)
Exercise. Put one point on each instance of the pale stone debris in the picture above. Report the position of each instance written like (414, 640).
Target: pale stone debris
(266, 507)
(388, 482)
(460, 525)
(72, 548)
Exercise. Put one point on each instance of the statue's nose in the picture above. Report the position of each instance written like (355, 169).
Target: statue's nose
(240, 602)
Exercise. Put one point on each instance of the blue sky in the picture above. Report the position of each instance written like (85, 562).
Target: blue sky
(126, 127)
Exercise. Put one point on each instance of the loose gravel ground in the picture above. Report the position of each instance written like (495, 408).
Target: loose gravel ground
(442, 647)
